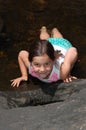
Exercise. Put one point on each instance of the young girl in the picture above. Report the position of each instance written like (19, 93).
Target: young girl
(49, 59)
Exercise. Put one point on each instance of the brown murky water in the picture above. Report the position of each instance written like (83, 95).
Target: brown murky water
(68, 16)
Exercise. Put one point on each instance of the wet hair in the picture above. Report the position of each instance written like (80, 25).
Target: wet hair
(40, 48)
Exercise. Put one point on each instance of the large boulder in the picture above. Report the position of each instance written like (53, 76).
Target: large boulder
(60, 106)
(44, 93)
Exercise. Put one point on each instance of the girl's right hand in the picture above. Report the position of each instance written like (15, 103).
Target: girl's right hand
(16, 82)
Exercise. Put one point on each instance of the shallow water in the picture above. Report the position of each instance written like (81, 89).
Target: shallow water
(69, 17)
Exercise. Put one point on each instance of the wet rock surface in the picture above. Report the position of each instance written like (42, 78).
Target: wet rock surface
(61, 107)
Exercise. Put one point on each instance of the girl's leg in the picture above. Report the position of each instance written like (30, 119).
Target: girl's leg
(56, 34)
(69, 61)
(44, 34)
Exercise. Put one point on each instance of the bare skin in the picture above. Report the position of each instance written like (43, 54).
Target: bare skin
(43, 63)
(23, 64)
(70, 57)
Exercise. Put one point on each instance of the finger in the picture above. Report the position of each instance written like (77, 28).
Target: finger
(11, 80)
(70, 79)
(66, 80)
(13, 84)
(18, 84)
(74, 77)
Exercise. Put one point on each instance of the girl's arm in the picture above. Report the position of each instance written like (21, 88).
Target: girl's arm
(69, 61)
(65, 74)
(23, 64)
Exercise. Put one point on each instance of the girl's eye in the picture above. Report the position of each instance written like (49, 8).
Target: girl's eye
(47, 64)
(36, 65)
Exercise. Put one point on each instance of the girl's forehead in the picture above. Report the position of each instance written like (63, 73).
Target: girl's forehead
(42, 58)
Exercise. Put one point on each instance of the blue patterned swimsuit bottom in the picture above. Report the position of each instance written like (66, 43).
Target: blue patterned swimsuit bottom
(60, 44)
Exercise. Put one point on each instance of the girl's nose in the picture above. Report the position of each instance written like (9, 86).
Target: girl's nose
(42, 68)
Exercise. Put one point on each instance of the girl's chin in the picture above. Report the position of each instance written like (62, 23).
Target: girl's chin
(44, 76)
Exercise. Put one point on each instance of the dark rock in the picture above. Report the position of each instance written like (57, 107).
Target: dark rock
(66, 111)
(45, 94)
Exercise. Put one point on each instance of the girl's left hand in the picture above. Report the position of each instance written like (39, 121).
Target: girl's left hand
(70, 78)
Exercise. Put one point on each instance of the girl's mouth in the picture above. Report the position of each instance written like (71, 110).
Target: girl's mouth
(44, 75)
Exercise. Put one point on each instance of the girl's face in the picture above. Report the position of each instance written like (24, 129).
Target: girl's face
(42, 65)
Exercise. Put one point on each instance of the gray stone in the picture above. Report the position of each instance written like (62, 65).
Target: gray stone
(68, 112)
